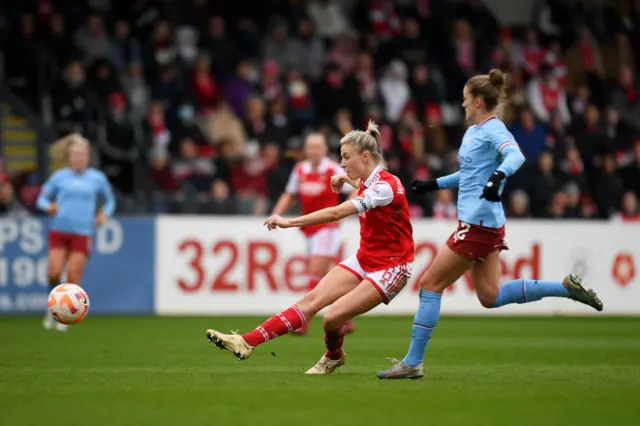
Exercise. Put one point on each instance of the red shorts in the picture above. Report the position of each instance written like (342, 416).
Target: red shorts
(476, 242)
(71, 242)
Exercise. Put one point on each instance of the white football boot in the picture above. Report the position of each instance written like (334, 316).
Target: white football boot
(326, 366)
(48, 322)
(232, 342)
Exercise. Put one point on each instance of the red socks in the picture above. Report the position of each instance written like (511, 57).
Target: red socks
(278, 325)
(334, 340)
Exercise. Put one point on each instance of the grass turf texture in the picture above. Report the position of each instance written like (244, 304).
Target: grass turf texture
(162, 371)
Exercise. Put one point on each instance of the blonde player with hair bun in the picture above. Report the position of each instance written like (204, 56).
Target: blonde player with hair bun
(374, 275)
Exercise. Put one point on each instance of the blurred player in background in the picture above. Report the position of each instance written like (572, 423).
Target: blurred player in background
(488, 155)
(70, 196)
(374, 275)
(310, 182)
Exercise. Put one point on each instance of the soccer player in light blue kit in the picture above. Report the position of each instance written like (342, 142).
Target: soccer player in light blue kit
(488, 155)
(71, 196)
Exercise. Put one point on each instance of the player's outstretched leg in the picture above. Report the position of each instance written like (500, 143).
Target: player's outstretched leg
(334, 285)
(242, 346)
(360, 300)
(526, 291)
(446, 268)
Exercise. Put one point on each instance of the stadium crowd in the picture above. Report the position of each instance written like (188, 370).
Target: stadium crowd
(214, 98)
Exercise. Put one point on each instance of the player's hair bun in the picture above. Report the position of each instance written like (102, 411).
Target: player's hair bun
(498, 79)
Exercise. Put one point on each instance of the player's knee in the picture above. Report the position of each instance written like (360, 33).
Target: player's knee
(487, 300)
(432, 283)
(310, 304)
(332, 321)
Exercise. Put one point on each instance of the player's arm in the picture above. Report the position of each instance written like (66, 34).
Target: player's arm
(288, 198)
(47, 194)
(378, 195)
(512, 159)
(444, 182)
(284, 203)
(109, 201)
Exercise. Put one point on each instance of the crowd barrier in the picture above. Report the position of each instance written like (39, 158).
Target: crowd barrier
(176, 265)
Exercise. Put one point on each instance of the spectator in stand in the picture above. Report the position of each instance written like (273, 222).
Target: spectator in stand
(629, 210)
(328, 18)
(92, 39)
(69, 99)
(518, 205)
(532, 54)
(395, 91)
(126, 49)
(118, 150)
(221, 48)
(309, 54)
(445, 207)
(9, 205)
(624, 96)
(279, 45)
(618, 53)
(631, 173)
(530, 136)
(239, 87)
(60, 43)
(608, 188)
(203, 85)
(546, 96)
(136, 90)
(546, 180)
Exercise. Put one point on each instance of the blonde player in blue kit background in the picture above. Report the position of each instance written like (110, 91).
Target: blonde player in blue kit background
(487, 156)
(71, 196)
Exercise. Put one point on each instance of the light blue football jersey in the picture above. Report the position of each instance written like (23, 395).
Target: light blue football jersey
(481, 154)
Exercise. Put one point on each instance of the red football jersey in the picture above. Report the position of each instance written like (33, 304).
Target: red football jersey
(313, 188)
(386, 234)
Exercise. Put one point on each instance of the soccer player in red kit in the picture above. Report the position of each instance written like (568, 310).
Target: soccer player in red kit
(375, 274)
(310, 183)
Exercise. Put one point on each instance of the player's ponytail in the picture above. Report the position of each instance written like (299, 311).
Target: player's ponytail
(367, 141)
(492, 88)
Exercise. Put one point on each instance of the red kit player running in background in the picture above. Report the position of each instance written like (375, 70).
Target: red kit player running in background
(375, 274)
(310, 182)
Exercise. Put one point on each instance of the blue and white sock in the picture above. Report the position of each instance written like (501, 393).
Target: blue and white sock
(424, 322)
(526, 291)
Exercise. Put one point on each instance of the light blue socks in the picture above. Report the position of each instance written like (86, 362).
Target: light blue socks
(525, 291)
(424, 322)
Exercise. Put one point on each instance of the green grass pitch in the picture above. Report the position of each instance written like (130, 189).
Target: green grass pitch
(162, 371)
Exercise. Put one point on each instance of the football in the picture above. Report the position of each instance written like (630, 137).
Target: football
(68, 303)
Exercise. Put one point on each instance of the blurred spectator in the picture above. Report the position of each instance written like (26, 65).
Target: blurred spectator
(60, 43)
(546, 96)
(119, 151)
(127, 49)
(92, 40)
(608, 189)
(279, 46)
(26, 57)
(222, 50)
(395, 90)
(518, 205)
(625, 97)
(223, 126)
(9, 205)
(532, 54)
(445, 207)
(203, 85)
(631, 173)
(337, 91)
(69, 98)
(530, 136)
(545, 182)
(136, 90)
(309, 54)
(629, 210)
(328, 19)
(301, 106)
(239, 87)
(618, 53)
